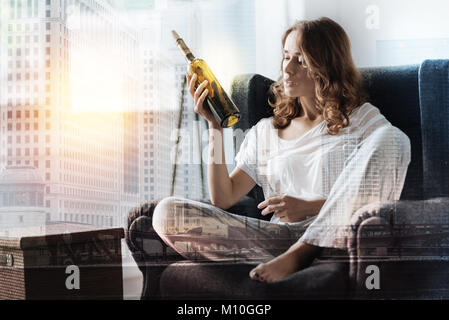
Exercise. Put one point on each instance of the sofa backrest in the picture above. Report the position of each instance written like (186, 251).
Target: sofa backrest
(434, 101)
(394, 90)
(413, 98)
(250, 93)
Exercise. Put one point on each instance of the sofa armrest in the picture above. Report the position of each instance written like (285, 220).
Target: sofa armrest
(397, 231)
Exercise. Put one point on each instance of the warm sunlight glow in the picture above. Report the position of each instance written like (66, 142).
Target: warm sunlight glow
(223, 60)
(97, 81)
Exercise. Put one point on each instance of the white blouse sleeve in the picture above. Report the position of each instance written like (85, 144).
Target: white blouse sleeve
(246, 158)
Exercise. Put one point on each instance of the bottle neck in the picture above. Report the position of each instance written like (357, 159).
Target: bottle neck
(189, 55)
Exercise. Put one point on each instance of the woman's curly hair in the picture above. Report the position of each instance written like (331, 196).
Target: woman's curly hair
(326, 50)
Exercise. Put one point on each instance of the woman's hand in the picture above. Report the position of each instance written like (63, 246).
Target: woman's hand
(199, 95)
(290, 209)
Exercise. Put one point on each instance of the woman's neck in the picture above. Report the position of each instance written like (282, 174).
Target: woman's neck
(309, 110)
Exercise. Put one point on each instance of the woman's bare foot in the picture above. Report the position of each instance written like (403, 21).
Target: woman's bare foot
(297, 257)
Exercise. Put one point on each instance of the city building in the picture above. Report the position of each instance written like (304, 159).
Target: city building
(68, 73)
(162, 74)
(21, 198)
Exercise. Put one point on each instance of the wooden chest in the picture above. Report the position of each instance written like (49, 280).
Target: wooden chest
(61, 261)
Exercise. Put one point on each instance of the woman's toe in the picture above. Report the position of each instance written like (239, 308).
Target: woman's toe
(256, 273)
(253, 274)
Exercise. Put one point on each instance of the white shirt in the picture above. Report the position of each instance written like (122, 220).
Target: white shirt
(368, 159)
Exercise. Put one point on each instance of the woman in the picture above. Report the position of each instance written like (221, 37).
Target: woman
(324, 154)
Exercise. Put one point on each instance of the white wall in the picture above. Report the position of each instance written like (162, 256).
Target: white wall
(272, 19)
(406, 21)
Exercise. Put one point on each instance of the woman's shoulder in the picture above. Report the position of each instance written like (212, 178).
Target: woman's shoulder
(263, 124)
(265, 121)
(365, 114)
(262, 127)
(363, 110)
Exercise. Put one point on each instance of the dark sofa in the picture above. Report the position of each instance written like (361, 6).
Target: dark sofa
(407, 241)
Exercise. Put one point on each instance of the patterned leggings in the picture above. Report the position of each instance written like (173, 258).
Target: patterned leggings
(198, 230)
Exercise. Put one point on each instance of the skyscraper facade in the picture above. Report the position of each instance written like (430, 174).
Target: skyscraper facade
(163, 70)
(55, 106)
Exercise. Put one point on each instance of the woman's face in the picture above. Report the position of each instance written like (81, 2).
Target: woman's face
(297, 83)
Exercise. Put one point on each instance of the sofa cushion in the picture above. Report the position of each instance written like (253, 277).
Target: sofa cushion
(228, 280)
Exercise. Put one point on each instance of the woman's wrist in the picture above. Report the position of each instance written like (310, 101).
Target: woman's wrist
(214, 125)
